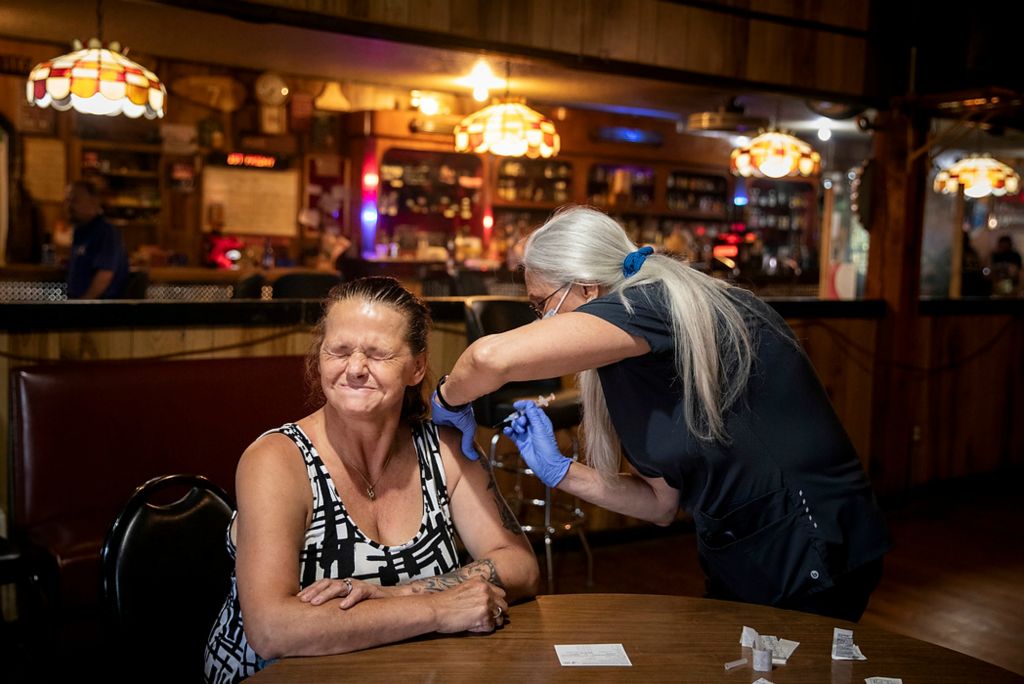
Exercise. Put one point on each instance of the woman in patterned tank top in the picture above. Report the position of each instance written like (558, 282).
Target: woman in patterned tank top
(344, 536)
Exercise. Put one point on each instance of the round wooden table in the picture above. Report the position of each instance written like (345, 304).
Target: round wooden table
(667, 639)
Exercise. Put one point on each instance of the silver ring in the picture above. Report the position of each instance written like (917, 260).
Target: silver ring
(497, 616)
(348, 583)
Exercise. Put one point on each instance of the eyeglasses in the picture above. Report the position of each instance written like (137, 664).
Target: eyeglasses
(538, 307)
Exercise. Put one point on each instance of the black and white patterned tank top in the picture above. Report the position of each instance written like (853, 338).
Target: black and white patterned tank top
(335, 547)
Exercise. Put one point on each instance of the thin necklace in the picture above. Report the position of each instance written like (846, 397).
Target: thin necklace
(370, 492)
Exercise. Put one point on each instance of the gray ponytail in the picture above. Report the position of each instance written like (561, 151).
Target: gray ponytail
(713, 355)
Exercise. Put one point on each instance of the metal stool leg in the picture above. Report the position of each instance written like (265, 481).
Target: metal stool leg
(571, 516)
(548, 533)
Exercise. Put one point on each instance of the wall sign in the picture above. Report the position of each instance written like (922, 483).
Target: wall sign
(251, 201)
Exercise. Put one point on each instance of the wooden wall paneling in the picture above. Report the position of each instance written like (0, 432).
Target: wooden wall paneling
(91, 345)
(494, 21)
(708, 38)
(671, 47)
(647, 46)
(854, 15)
(612, 29)
(148, 342)
(6, 365)
(842, 353)
(430, 14)
(1014, 408)
(925, 421)
(771, 53)
(389, 11)
(465, 17)
(985, 388)
(36, 346)
(447, 342)
(967, 416)
(566, 26)
(839, 62)
(689, 38)
(198, 338)
(251, 342)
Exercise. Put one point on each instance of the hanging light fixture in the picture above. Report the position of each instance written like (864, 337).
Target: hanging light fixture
(980, 175)
(508, 129)
(775, 154)
(97, 80)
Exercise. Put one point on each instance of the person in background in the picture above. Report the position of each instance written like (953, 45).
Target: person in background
(1006, 263)
(344, 537)
(98, 265)
(706, 392)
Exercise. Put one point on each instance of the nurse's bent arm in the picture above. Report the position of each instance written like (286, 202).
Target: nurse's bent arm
(553, 347)
(549, 348)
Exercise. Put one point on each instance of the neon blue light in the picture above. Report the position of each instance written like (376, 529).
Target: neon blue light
(739, 196)
(368, 217)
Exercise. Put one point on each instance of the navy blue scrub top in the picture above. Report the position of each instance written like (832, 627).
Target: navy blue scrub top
(96, 246)
(785, 507)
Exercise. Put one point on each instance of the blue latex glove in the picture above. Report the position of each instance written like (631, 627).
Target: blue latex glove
(464, 421)
(535, 439)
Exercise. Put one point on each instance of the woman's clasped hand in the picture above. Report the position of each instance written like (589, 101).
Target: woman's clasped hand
(472, 606)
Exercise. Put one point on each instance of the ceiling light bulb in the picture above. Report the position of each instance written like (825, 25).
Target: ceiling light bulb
(429, 105)
(481, 80)
(775, 166)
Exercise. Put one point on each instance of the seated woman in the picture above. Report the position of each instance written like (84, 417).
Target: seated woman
(360, 501)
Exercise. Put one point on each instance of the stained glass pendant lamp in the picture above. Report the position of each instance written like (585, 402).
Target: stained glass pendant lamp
(97, 80)
(980, 175)
(507, 129)
(775, 154)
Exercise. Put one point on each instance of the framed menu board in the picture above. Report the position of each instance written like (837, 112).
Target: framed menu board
(251, 201)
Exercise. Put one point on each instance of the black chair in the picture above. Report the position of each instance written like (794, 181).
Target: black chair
(490, 315)
(249, 287)
(470, 283)
(305, 285)
(165, 573)
(436, 282)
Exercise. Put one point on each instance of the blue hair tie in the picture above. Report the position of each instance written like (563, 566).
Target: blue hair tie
(634, 260)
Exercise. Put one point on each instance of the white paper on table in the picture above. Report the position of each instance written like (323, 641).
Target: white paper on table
(843, 647)
(782, 650)
(762, 680)
(883, 680)
(592, 654)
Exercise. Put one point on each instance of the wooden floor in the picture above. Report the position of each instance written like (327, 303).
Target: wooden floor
(955, 576)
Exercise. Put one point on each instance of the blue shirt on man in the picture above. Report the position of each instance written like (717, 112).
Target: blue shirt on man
(96, 246)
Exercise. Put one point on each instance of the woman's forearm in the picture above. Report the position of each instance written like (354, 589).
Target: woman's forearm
(625, 493)
(484, 569)
(518, 576)
(291, 627)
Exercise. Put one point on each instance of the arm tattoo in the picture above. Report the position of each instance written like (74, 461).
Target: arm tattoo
(508, 519)
(481, 568)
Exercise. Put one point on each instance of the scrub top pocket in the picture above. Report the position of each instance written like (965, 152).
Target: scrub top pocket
(763, 551)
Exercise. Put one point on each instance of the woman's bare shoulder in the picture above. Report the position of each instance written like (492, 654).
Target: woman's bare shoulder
(272, 458)
(455, 464)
